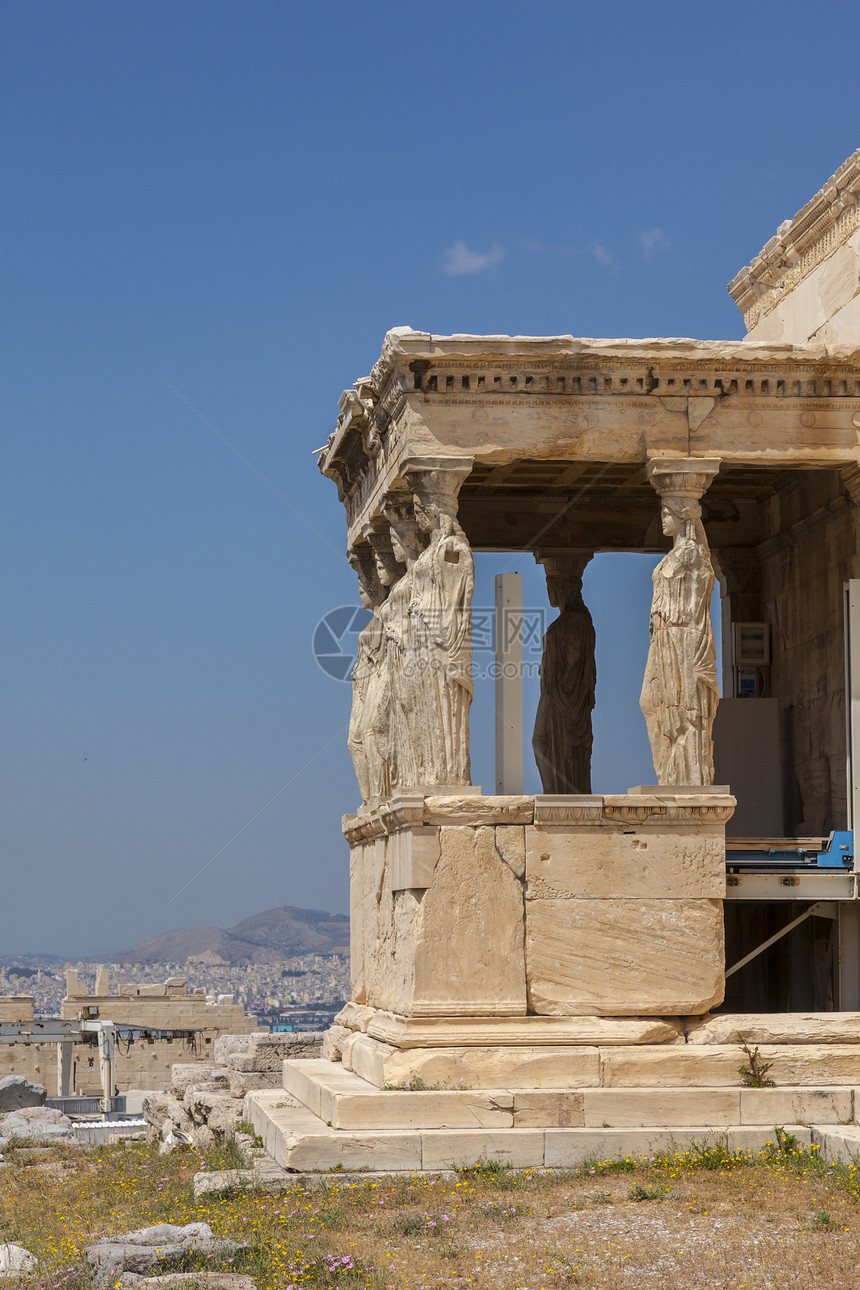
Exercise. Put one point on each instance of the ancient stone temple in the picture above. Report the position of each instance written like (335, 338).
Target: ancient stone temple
(546, 965)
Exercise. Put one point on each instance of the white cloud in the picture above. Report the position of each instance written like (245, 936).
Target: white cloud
(604, 256)
(653, 241)
(459, 259)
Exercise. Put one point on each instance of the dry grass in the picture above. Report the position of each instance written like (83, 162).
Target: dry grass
(780, 1219)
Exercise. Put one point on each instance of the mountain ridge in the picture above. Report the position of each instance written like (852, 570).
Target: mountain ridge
(285, 931)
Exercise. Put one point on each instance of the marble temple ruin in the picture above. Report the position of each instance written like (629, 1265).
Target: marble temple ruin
(546, 965)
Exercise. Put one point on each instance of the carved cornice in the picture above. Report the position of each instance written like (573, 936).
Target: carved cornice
(508, 372)
(564, 809)
(800, 244)
(402, 812)
(409, 811)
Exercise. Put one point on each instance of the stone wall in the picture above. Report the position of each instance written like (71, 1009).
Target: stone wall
(813, 551)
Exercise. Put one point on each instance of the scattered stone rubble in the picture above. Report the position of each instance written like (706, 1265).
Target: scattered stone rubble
(36, 1122)
(151, 1248)
(205, 1103)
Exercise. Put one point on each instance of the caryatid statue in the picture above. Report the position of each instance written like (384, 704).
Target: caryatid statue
(375, 728)
(568, 676)
(440, 627)
(680, 691)
(407, 543)
(366, 677)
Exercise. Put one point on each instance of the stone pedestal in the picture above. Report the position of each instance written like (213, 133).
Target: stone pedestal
(474, 907)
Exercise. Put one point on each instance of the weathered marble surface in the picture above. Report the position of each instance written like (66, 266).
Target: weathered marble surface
(680, 691)
(607, 906)
(805, 284)
(624, 957)
(645, 863)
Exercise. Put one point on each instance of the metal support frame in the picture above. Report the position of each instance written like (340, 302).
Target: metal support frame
(821, 909)
(509, 683)
(65, 1033)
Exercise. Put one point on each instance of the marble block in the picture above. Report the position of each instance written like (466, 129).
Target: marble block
(646, 863)
(624, 957)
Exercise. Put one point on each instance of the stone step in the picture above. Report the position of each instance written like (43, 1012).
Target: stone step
(681, 1065)
(341, 1100)
(299, 1140)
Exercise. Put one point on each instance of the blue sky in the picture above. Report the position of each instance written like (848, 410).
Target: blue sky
(237, 201)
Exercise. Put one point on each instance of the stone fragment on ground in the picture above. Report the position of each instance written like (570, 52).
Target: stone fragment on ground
(184, 1075)
(182, 1280)
(15, 1261)
(16, 1092)
(165, 1116)
(151, 1248)
(36, 1122)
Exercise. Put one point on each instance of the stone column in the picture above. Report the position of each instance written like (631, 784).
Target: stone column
(562, 737)
(386, 746)
(680, 691)
(366, 674)
(439, 647)
(739, 569)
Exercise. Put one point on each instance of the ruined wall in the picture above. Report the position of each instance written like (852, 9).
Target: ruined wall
(813, 550)
(142, 1062)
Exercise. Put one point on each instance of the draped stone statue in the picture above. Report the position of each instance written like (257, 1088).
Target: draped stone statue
(366, 675)
(568, 675)
(440, 631)
(406, 542)
(376, 729)
(680, 691)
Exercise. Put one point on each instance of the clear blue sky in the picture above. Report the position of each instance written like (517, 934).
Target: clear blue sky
(240, 199)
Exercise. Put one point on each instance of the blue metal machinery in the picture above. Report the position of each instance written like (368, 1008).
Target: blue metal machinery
(790, 856)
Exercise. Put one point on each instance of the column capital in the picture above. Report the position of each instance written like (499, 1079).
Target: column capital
(437, 480)
(563, 561)
(682, 476)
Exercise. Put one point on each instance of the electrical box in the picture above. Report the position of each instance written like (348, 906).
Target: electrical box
(750, 644)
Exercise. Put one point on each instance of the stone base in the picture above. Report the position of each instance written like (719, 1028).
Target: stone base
(553, 906)
(589, 1085)
(332, 1119)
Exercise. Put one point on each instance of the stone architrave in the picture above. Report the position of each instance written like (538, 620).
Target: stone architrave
(366, 672)
(680, 690)
(562, 737)
(440, 627)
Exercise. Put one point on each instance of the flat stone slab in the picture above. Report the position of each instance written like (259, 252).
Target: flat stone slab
(511, 1032)
(151, 1248)
(713, 1065)
(777, 1028)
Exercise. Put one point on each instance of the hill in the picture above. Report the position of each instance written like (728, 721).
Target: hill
(269, 937)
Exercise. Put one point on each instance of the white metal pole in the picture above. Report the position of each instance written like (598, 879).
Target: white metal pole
(509, 683)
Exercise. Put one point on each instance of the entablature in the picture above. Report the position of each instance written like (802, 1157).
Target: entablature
(543, 417)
